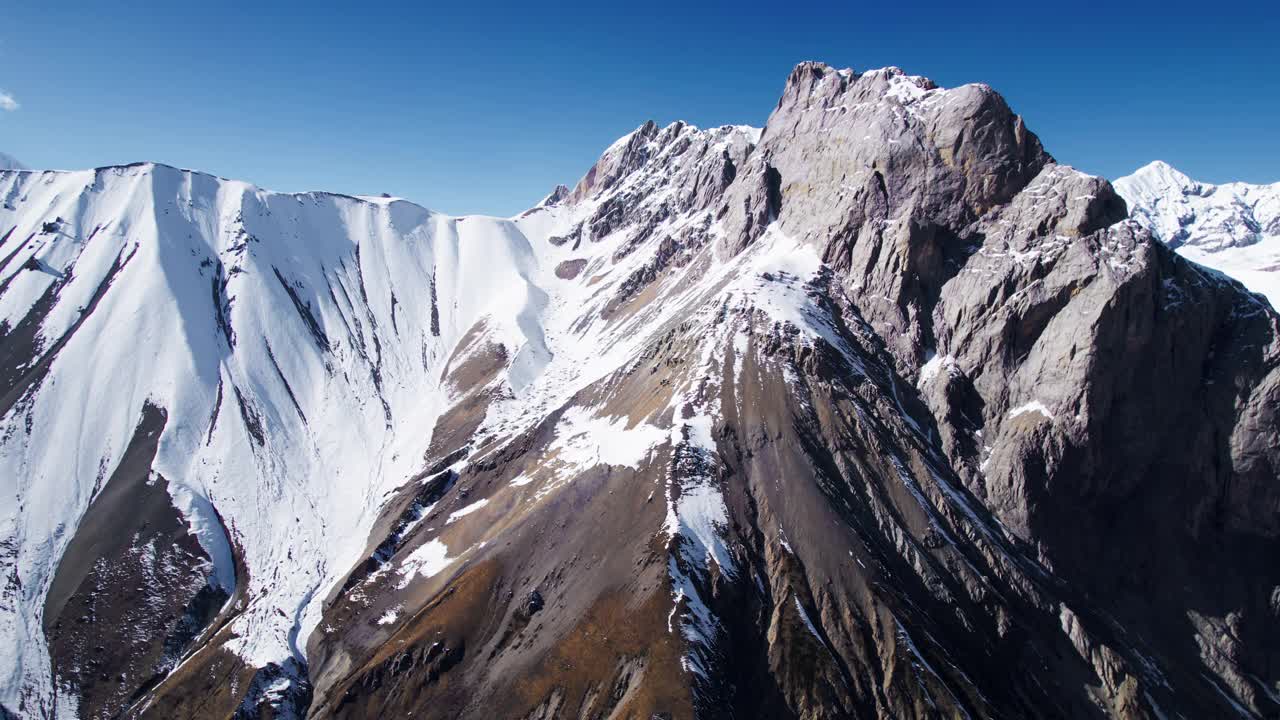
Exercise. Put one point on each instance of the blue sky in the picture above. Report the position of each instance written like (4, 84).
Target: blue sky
(486, 106)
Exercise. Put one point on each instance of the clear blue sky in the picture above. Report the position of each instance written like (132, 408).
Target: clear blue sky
(482, 107)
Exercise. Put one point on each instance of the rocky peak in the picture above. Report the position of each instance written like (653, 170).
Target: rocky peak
(555, 197)
(893, 144)
(818, 84)
(810, 81)
(886, 174)
(652, 174)
(625, 155)
(655, 156)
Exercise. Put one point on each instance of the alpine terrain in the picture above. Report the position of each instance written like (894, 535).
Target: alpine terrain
(1233, 227)
(875, 412)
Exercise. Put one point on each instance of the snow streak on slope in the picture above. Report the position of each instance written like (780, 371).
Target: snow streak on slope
(296, 342)
(1233, 227)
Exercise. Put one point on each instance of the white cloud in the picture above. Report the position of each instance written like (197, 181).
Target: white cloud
(7, 102)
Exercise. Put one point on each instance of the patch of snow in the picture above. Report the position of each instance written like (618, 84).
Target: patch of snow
(584, 439)
(1235, 704)
(807, 622)
(699, 515)
(466, 510)
(426, 560)
(936, 364)
(1034, 406)
(921, 662)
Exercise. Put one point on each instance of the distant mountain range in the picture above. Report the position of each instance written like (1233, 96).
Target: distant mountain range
(1233, 227)
(877, 411)
(9, 162)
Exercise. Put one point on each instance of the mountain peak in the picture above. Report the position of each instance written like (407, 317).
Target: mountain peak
(650, 153)
(1162, 173)
(1231, 227)
(554, 197)
(811, 82)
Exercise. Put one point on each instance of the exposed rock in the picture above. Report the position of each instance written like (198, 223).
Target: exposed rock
(555, 197)
(534, 602)
(569, 269)
(134, 588)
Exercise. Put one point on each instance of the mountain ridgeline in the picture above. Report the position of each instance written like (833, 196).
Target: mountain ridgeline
(875, 412)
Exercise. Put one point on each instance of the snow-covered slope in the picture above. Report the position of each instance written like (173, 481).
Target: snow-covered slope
(285, 336)
(1233, 227)
(9, 162)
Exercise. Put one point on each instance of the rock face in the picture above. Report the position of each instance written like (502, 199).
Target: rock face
(876, 412)
(1234, 227)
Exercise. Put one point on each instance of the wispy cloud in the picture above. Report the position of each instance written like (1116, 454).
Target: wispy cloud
(8, 103)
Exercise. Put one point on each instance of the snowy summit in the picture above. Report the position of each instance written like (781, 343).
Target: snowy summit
(1233, 227)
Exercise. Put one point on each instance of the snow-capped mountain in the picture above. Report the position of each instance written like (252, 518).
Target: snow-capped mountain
(1233, 227)
(9, 162)
(876, 411)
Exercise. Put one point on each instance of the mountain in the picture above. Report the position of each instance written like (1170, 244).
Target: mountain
(874, 412)
(1234, 227)
(9, 162)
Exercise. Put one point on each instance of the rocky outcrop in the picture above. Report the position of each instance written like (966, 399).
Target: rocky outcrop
(134, 589)
(886, 173)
